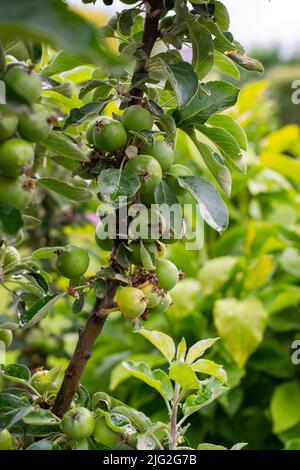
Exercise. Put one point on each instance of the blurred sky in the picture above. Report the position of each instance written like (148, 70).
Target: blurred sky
(253, 22)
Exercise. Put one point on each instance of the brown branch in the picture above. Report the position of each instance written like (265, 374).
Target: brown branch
(96, 320)
(150, 35)
(83, 351)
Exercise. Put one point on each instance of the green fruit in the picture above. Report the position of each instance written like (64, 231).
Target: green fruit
(138, 119)
(78, 423)
(15, 156)
(167, 274)
(136, 251)
(148, 170)
(90, 132)
(72, 261)
(109, 135)
(104, 435)
(11, 256)
(177, 170)
(164, 304)
(161, 151)
(8, 124)
(131, 302)
(24, 83)
(152, 293)
(34, 125)
(13, 193)
(6, 441)
(6, 336)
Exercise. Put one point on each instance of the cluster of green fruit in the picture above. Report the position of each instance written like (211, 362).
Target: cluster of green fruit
(110, 135)
(19, 131)
(152, 294)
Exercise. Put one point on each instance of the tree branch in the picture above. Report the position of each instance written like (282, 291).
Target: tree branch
(150, 35)
(96, 320)
(83, 351)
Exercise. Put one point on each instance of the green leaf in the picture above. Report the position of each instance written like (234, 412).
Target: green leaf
(216, 166)
(215, 273)
(146, 258)
(12, 417)
(138, 419)
(43, 444)
(225, 142)
(290, 261)
(40, 417)
(10, 401)
(61, 145)
(222, 42)
(183, 80)
(203, 49)
(184, 375)
(62, 61)
(241, 325)
(205, 366)
(53, 22)
(119, 374)
(10, 219)
(164, 195)
(199, 348)
(64, 89)
(212, 208)
(74, 193)
(106, 86)
(207, 446)
(212, 98)
(285, 406)
(113, 183)
(46, 253)
(155, 380)
(126, 20)
(78, 115)
(221, 16)
(100, 288)
(226, 66)
(181, 350)
(40, 310)
(15, 371)
(230, 125)
(206, 395)
(161, 341)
